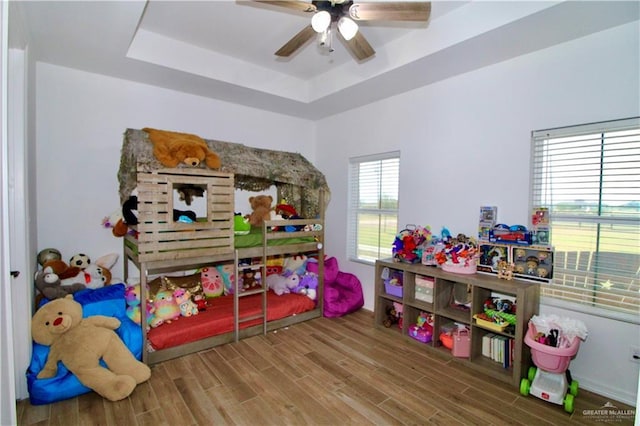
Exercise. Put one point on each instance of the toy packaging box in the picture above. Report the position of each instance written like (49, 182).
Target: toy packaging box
(488, 218)
(532, 263)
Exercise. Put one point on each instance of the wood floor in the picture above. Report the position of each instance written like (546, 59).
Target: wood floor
(322, 372)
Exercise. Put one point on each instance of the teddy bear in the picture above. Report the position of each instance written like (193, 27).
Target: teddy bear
(80, 343)
(49, 285)
(173, 148)
(261, 209)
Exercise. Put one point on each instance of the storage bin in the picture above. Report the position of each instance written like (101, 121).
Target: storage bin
(423, 334)
(461, 344)
(424, 289)
(393, 290)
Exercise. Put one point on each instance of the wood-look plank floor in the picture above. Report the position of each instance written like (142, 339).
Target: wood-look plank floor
(322, 372)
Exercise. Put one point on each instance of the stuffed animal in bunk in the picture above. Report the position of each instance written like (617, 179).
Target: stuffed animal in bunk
(241, 225)
(130, 207)
(288, 212)
(282, 284)
(308, 286)
(173, 148)
(261, 209)
(185, 304)
(49, 285)
(80, 343)
(212, 282)
(166, 308)
(95, 275)
(187, 192)
(132, 299)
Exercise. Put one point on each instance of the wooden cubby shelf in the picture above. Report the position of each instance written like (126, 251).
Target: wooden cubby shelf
(442, 306)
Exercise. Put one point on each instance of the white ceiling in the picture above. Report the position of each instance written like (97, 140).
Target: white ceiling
(225, 49)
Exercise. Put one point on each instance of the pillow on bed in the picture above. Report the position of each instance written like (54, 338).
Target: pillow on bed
(107, 301)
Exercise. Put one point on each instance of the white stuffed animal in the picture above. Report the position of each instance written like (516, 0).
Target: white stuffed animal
(281, 284)
(96, 275)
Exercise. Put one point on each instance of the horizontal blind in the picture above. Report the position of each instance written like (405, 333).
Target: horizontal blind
(373, 205)
(588, 177)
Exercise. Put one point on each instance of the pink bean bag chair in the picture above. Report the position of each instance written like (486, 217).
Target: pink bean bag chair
(342, 291)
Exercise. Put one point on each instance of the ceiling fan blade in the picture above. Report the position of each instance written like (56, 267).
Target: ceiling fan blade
(296, 42)
(359, 46)
(300, 6)
(391, 11)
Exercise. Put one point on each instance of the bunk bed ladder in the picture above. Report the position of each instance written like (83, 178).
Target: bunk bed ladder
(239, 293)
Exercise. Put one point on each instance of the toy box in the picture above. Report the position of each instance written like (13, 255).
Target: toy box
(423, 334)
(424, 288)
(532, 263)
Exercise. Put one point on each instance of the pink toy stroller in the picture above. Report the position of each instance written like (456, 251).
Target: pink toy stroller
(551, 380)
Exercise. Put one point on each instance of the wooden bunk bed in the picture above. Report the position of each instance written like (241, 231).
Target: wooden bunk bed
(162, 245)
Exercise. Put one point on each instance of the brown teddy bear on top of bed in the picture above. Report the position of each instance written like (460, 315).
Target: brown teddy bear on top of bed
(173, 148)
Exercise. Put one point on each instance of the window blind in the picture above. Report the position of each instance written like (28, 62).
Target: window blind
(373, 205)
(588, 176)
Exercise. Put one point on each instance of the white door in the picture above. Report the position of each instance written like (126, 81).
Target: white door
(7, 369)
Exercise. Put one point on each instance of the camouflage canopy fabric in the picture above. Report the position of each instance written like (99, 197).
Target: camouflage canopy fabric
(298, 181)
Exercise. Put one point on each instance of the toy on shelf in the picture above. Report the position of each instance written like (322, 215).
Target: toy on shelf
(422, 330)
(459, 255)
(409, 243)
(515, 234)
(552, 351)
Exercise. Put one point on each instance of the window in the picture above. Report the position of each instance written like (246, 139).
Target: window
(373, 206)
(588, 177)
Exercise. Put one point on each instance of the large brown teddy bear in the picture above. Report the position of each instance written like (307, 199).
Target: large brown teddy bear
(81, 343)
(173, 148)
(261, 206)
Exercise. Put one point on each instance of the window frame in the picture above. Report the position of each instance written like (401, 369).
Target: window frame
(354, 209)
(537, 138)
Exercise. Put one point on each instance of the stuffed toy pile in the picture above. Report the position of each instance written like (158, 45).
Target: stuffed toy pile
(80, 343)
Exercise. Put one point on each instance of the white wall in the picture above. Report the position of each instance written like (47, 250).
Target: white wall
(81, 118)
(465, 142)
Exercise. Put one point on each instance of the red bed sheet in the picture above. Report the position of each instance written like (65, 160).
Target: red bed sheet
(218, 318)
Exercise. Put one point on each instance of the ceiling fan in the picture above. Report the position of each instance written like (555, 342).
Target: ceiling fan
(342, 15)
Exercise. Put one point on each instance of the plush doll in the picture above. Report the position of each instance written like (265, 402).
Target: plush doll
(130, 217)
(81, 343)
(241, 225)
(308, 286)
(132, 299)
(281, 284)
(187, 192)
(62, 269)
(185, 304)
(95, 275)
(49, 285)
(261, 206)
(173, 148)
(212, 282)
(152, 320)
(166, 308)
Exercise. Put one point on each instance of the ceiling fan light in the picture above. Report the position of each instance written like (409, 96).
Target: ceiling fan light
(320, 21)
(347, 28)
